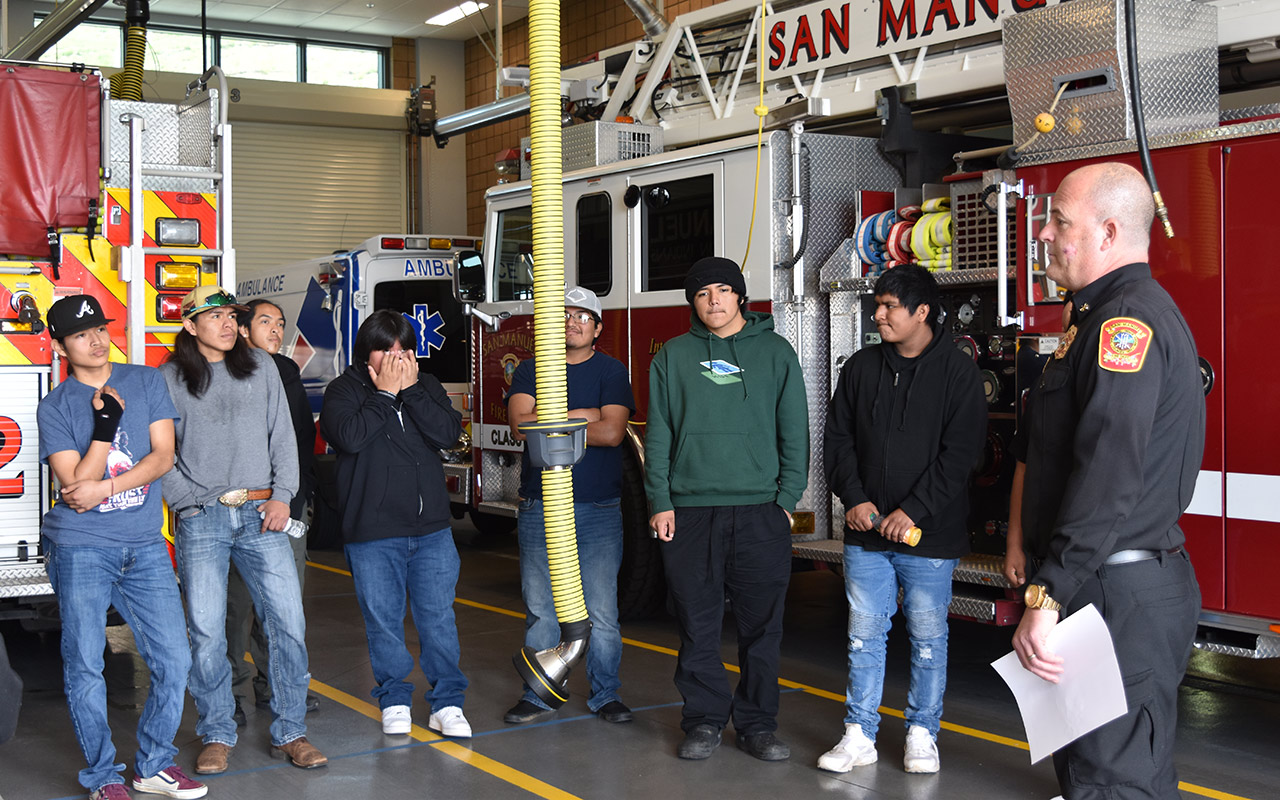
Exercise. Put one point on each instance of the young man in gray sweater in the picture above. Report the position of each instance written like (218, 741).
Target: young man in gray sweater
(236, 471)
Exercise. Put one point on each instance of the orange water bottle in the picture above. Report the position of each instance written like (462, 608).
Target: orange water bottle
(913, 535)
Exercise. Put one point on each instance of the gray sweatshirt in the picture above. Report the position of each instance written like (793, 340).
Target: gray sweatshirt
(237, 435)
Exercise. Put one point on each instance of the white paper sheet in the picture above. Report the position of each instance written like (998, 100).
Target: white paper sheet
(1089, 694)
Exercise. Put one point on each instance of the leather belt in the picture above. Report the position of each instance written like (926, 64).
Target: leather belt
(238, 497)
(1130, 556)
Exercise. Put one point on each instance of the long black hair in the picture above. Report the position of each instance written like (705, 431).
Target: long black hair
(380, 331)
(194, 367)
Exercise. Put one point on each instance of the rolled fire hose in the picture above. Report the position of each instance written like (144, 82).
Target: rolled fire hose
(546, 671)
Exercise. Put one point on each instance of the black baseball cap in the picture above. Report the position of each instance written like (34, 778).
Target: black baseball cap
(73, 314)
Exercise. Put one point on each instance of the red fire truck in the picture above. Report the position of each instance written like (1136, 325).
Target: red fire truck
(636, 217)
(120, 199)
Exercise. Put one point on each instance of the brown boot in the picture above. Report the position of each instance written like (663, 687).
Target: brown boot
(301, 752)
(213, 758)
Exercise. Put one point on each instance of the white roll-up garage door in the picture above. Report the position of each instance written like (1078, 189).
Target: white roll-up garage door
(301, 192)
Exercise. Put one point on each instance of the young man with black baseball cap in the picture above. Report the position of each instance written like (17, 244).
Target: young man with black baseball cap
(106, 432)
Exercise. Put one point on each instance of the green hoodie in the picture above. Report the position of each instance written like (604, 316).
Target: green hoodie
(728, 423)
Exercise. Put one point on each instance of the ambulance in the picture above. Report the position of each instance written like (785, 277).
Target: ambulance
(325, 299)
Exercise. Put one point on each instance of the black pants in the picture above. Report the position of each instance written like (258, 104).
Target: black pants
(744, 552)
(1151, 608)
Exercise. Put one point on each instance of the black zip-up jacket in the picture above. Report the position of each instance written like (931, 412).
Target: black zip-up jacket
(304, 428)
(908, 433)
(1115, 432)
(389, 479)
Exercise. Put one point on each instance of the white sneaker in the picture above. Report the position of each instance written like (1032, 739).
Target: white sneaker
(396, 720)
(449, 721)
(922, 751)
(854, 750)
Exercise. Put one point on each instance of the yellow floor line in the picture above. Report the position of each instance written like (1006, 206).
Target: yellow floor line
(518, 778)
(448, 746)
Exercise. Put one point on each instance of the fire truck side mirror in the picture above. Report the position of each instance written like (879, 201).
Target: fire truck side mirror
(468, 277)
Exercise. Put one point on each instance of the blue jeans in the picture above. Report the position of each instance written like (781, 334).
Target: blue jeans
(599, 535)
(426, 567)
(139, 582)
(871, 580)
(208, 541)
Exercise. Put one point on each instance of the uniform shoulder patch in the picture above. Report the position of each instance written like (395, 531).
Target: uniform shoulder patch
(1123, 344)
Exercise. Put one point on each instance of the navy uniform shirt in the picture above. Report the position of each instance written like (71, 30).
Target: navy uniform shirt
(1115, 432)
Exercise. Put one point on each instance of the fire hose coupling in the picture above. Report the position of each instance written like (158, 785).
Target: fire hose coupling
(546, 672)
(555, 445)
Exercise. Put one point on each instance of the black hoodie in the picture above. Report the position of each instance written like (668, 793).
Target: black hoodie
(389, 477)
(907, 433)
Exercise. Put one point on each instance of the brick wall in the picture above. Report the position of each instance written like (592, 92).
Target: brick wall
(587, 27)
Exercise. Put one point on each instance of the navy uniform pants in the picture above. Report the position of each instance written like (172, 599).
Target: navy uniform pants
(1151, 608)
(744, 553)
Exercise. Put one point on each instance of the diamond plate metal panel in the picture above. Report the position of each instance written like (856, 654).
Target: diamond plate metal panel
(978, 608)
(1267, 646)
(500, 476)
(1177, 45)
(24, 582)
(838, 168)
(176, 137)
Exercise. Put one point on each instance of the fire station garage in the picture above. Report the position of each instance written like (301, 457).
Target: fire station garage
(437, 171)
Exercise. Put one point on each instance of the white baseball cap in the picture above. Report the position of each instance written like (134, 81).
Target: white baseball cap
(577, 297)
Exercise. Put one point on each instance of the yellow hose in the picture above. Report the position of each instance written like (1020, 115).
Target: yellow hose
(127, 83)
(548, 298)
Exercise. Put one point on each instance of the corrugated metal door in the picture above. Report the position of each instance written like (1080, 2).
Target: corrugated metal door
(304, 191)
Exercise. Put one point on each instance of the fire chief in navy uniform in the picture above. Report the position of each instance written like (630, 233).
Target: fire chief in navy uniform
(1115, 438)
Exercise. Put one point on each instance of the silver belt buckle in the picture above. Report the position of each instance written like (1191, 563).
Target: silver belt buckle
(235, 498)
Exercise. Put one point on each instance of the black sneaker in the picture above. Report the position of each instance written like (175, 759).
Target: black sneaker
(238, 715)
(614, 711)
(525, 711)
(699, 742)
(764, 746)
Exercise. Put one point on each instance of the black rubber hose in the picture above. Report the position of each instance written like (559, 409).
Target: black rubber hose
(808, 210)
(1139, 122)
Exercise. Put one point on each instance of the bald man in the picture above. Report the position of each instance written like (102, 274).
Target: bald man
(1116, 434)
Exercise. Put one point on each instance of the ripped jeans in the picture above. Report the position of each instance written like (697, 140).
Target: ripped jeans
(871, 581)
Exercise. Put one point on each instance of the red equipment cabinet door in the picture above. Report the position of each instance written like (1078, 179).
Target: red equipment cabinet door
(1190, 268)
(1251, 172)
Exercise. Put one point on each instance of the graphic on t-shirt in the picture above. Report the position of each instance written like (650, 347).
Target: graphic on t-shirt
(719, 371)
(120, 461)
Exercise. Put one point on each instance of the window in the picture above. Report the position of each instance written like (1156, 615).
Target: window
(514, 268)
(101, 44)
(89, 43)
(344, 66)
(259, 58)
(446, 329)
(174, 51)
(677, 227)
(595, 244)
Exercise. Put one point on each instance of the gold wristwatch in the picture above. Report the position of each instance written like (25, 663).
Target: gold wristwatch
(1036, 596)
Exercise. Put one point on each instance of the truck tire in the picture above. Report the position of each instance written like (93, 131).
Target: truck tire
(642, 586)
(492, 524)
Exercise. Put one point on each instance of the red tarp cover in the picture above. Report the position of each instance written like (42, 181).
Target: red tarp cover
(49, 154)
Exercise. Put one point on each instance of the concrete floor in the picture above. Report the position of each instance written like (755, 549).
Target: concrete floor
(1227, 740)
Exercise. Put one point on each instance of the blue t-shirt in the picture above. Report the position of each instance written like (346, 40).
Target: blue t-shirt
(65, 417)
(597, 382)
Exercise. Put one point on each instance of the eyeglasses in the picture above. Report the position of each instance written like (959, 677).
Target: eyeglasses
(582, 317)
(215, 300)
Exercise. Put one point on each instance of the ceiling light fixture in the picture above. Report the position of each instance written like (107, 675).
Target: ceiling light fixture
(456, 13)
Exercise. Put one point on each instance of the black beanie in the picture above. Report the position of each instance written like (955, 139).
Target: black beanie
(713, 269)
